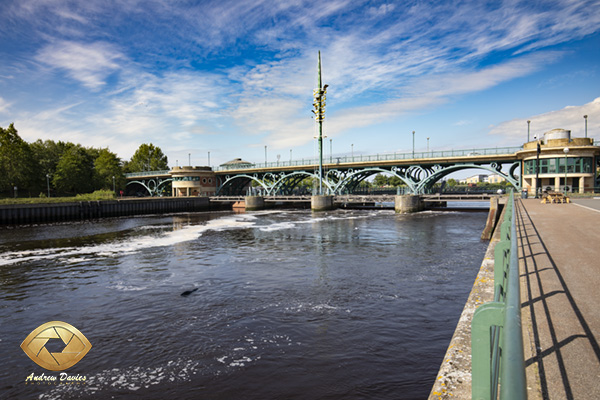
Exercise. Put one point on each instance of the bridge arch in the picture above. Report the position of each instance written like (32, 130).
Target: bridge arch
(348, 180)
(152, 186)
(441, 172)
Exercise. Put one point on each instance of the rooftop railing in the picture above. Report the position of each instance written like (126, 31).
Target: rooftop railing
(496, 336)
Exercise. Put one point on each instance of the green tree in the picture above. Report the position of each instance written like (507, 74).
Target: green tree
(452, 182)
(380, 180)
(74, 171)
(17, 164)
(48, 154)
(395, 181)
(147, 158)
(106, 166)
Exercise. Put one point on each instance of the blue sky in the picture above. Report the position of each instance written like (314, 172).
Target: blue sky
(230, 77)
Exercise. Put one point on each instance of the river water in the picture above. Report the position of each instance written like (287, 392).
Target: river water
(289, 304)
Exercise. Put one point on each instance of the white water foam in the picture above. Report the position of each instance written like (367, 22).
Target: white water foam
(129, 246)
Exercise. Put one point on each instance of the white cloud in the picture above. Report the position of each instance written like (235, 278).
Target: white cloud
(4, 105)
(570, 117)
(88, 63)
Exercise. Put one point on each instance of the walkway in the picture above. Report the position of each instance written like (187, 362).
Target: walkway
(560, 265)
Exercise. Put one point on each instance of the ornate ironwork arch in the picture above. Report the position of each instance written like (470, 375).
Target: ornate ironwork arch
(153, 185)
(442, 172)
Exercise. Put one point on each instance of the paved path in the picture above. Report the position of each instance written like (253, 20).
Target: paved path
(559, 251)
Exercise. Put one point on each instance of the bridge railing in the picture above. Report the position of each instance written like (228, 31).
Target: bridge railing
(496, 336)
(335, 160)
(147, 173)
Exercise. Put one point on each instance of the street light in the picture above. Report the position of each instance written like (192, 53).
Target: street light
(537, 168)
(330, 151)
(413, 152)
(528, 124)
(585, 118)
(352, 147)
(48, 183)
(209, 158)
(190, 159)
(265, 156)
(566, 151)
(114, 187)
(428, 145)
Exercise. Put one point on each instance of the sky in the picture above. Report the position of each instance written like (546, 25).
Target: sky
(229, 77)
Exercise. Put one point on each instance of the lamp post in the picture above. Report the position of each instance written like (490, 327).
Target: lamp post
(190, 159)
(209, 158)
(566, 151)
(48, 183)
(265, 156)
(413, 151)
(352, 151)
(114, 186)
(528, 124)
(428, 145)
(585, 118)
(537, 169)
(290, 156)
(319, 112)
(330, 151)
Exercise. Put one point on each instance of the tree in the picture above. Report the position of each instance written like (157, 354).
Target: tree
(106, 166)
(452, 182)
(147, 158)
(380, 180)
(74, 171)
(17, 164)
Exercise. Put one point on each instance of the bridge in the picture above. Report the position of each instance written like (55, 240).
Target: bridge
(419, 171)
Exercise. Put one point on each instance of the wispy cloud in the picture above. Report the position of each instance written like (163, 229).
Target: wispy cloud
(88, 63)
(4, 105)
(570, 117)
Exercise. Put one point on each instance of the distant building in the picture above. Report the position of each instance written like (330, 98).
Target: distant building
(495, 178)
(474, 179)
(237, 163)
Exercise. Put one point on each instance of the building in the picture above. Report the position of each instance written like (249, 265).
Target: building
(193, 181)
(561, 163)
(495, 178)
(475, 179)
(236, 163)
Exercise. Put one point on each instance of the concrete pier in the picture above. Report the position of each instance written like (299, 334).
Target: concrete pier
(406, 204)
(321, 203)
(254, 203)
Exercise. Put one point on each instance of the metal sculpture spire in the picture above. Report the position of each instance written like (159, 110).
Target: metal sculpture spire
(319, 111)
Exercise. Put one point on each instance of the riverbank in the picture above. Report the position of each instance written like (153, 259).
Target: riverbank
(15, 214)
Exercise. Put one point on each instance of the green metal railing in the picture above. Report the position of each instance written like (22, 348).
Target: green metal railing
(496, 336)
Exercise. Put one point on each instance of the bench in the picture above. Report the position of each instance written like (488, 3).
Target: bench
(555, 197)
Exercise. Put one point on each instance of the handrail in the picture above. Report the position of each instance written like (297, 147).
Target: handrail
(496, 336)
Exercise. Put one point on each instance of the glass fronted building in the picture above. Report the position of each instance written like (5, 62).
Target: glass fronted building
(552, 168)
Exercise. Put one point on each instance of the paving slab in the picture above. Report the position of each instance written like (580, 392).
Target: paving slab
(559, 252)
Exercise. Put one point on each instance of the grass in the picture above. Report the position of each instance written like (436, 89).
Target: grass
(97, 195)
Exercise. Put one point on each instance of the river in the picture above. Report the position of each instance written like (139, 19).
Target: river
(357, 304)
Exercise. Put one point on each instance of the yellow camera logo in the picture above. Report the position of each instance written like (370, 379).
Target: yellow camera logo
(76, 345)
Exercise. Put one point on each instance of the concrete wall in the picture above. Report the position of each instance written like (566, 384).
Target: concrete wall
(34, 213)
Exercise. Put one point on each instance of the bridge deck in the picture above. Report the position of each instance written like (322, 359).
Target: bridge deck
(559, 256)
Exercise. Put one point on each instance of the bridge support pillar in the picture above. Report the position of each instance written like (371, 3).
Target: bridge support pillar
(408, 204)
(254, 203)
(321, 203)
